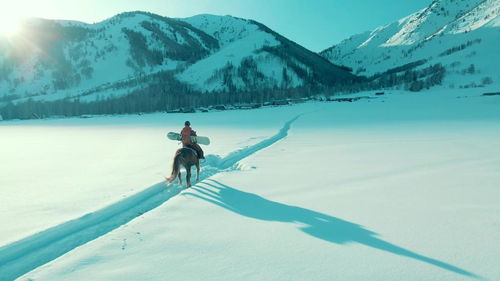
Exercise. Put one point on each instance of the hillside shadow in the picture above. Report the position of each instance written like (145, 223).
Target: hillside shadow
(315, 224)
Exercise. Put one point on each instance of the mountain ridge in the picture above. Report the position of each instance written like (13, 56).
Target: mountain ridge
(455, 33)
(63, 59)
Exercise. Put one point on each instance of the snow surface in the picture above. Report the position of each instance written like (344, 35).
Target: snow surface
(402, 187)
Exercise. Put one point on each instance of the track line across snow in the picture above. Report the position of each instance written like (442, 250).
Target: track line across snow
(20, 257)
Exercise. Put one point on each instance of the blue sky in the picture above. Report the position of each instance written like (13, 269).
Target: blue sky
(315, 24)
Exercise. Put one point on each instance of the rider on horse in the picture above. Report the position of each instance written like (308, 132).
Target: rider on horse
(186, 134)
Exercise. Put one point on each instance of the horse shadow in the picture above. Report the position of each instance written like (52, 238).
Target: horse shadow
(312, 223)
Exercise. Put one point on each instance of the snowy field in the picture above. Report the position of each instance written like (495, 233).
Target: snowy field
(402, 187)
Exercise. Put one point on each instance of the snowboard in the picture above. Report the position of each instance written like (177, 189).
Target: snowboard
(195, 139)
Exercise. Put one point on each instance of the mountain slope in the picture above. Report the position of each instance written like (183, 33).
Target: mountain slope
(144, 53)
(64, 57)
(455, 33)
(253, 56)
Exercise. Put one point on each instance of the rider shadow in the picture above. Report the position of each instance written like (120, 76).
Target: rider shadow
(316, 224)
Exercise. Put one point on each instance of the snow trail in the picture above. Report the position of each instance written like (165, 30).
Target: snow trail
(20, 257)
(234, 157)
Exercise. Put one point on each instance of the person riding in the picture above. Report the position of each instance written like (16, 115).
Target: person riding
(186, 134)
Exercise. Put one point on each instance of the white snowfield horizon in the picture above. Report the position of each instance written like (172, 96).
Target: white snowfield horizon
(403, 186)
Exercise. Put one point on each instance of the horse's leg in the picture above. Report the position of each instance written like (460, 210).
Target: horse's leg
(197, 170)
(180, 179)
(188, 175)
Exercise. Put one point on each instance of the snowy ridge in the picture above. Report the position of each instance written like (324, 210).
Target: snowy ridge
(76, 57)
(204, 74)
(94, 62)
(25, 255)
(252, 56)
(454, 33)
(226, 29)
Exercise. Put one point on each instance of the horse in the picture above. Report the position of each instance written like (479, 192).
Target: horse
(186, 157)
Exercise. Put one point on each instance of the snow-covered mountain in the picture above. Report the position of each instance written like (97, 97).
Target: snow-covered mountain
(52, 60)
(60, 58)
(253, 56)
(462, 35)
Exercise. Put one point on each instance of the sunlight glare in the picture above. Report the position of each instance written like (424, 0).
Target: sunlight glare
(9, 25)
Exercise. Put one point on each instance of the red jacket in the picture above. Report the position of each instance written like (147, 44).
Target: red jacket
(186, 134)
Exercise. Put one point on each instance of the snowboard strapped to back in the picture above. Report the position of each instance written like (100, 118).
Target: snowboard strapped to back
(195, 139)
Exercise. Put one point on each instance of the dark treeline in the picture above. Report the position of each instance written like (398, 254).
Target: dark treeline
(150, 99)
(405, 77)
(459, 47)
(162, 92)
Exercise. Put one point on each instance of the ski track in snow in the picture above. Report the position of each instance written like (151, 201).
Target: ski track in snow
(21, 257)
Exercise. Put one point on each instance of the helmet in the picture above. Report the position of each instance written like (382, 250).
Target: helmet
(187, 123)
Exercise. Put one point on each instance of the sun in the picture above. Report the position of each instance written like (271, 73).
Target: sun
(9, 25)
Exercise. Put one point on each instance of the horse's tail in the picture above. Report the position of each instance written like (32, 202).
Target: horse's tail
(175, 168)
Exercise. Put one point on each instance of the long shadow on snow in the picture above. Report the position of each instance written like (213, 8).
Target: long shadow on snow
(318, 225)
(22, 256)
